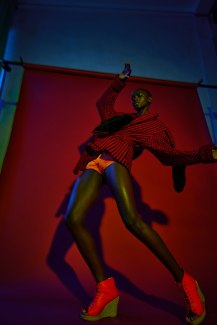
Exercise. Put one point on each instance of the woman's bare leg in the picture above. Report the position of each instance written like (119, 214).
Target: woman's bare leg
(84, 193)
(119, 180)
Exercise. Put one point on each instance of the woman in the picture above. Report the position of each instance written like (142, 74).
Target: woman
(118, 140)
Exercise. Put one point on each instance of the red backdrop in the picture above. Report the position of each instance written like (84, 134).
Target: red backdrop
(55, 116)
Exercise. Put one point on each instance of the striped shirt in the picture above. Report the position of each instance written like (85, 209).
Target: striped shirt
(145, 131)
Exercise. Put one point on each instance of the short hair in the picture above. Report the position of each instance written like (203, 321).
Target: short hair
(143, 90)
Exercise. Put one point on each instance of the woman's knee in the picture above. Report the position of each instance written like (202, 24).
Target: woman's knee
(73, 219)
(134, 223)
(130, 219)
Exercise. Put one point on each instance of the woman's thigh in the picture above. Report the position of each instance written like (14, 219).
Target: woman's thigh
(84, 193)
(120, 183)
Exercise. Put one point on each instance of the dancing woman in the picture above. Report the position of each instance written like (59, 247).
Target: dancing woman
(118, 140)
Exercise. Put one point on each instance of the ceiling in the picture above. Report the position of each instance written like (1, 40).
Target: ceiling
(201, 7)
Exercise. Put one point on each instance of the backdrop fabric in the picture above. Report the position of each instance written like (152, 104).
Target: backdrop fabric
(55, 116)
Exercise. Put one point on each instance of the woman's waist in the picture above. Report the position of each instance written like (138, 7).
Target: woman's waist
(106, 155)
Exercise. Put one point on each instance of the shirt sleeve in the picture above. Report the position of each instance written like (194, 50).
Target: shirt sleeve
(164, 149)
(105, 104)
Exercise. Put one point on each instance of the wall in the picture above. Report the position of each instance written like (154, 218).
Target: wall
(9, 84)
(161, 46)
(8, 103)
(6, 11)
(158, 45)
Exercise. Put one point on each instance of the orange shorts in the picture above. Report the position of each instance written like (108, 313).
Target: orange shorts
(100, 164)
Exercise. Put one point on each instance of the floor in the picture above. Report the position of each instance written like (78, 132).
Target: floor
(42, 305)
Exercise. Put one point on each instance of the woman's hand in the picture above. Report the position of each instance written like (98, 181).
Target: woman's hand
(214, 152)
(126, 72)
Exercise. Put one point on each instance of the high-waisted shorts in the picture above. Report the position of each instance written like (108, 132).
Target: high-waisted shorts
(101, 162)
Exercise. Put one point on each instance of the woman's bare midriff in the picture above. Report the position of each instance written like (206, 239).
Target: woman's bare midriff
(106, 156)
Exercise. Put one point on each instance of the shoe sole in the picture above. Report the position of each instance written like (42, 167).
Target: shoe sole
(110, 310)
(198, 320)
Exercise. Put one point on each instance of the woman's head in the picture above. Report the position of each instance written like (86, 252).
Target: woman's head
(141, 99)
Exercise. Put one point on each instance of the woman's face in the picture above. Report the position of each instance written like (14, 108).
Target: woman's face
(140, 100)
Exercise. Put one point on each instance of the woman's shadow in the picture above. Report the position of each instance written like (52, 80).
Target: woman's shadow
(63, 241)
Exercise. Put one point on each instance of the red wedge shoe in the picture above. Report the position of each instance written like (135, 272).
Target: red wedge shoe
(105, 303)
(194, 298)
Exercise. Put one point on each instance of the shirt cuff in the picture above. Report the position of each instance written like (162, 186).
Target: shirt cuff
(118, 84)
